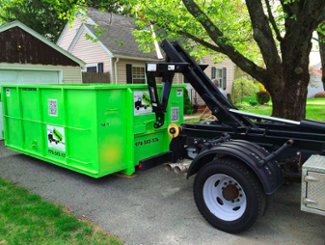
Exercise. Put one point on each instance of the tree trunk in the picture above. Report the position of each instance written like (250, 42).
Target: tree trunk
(321, 38)
(289, 101)
(289, 86)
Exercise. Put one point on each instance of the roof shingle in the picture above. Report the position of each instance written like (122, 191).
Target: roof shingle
(117, 30)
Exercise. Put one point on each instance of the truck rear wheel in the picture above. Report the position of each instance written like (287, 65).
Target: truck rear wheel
(228, 195)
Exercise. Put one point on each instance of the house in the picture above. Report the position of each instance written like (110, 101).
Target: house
(27, 57)
(125, 63)
(315, 85)
(115, 50)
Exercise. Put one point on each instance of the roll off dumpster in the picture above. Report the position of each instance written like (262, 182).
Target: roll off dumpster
(91, 129)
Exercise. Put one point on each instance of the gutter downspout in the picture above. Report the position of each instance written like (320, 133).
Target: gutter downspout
(115, 66)
(158, 51)
(111, 69)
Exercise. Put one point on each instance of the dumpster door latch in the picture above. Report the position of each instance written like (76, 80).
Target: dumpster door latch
(160, 119)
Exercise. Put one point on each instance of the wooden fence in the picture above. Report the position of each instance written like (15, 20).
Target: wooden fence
(94, 77)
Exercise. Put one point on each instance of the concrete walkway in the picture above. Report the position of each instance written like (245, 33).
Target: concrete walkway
(191, 117)
(157, 207)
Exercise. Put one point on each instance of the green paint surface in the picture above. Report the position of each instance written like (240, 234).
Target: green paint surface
(146, 99)
(57, 135)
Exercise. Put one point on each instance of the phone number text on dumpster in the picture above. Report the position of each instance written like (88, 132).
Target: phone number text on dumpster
(146, 142)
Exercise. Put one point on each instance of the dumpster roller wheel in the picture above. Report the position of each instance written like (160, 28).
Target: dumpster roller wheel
(173, 130)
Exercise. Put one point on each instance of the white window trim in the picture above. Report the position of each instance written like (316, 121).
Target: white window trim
(220, 69)
(91, 65)
(145, 75)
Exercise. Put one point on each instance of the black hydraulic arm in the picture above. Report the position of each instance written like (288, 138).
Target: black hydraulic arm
(184, 63)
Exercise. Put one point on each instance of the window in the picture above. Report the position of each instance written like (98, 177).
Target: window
(99, 67)
(220, 74)
(91, 68)
(138, 75)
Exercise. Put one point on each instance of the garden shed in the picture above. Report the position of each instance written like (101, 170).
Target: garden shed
(27, 57)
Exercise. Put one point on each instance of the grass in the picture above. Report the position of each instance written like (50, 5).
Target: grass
(315, 109)
(26, 218)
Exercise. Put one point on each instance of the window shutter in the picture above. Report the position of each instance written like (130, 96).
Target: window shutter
(213, 73)
(224, 78)
(100, 67)
(129, 73)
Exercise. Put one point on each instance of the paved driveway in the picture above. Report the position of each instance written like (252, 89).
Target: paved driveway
(156, 207)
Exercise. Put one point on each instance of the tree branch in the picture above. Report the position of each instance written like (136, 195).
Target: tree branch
(201, 41)
(216, 35)
(263, 35)
(272, 21)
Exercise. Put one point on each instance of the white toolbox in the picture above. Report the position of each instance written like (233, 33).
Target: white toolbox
(313, 185)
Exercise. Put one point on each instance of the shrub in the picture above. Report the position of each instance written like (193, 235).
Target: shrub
(189, 112)
(263, 97)
(229, 98)
(243, 88)
(253, 103)
(196, 108)
(243, 105)
(187, 103)
(320, 95)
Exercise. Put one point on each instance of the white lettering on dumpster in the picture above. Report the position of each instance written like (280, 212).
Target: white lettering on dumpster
(141, 103)
(55, 137)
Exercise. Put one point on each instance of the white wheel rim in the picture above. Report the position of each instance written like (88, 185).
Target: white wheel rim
(227, 210)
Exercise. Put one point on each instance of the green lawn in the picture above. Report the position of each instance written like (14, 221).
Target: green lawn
(315, 109)
(26, 218)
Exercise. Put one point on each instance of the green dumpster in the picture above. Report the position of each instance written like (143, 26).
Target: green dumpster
(95, 130)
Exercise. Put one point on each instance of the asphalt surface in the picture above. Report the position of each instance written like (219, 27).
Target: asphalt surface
(156, 207)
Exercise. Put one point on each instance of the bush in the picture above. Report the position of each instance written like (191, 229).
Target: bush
(243, 88)
(263, 97)
(243, 105)
(196, 108)
(253, 103)
(187, 103)
(189, 112)
(320, 95)
(229, 98)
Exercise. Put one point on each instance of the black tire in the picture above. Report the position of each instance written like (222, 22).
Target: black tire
(138, 107)
(255, 195)
(145, 107)
(268, 203)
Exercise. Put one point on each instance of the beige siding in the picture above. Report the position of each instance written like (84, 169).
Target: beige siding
(70, 74)
(91, 52)
(207, 59)
(70, 32)
(226, 63)
(121, 68)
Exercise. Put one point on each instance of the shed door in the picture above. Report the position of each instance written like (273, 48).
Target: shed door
(25, 77)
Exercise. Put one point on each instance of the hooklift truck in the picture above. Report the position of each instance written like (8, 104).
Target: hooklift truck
(240, 159)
